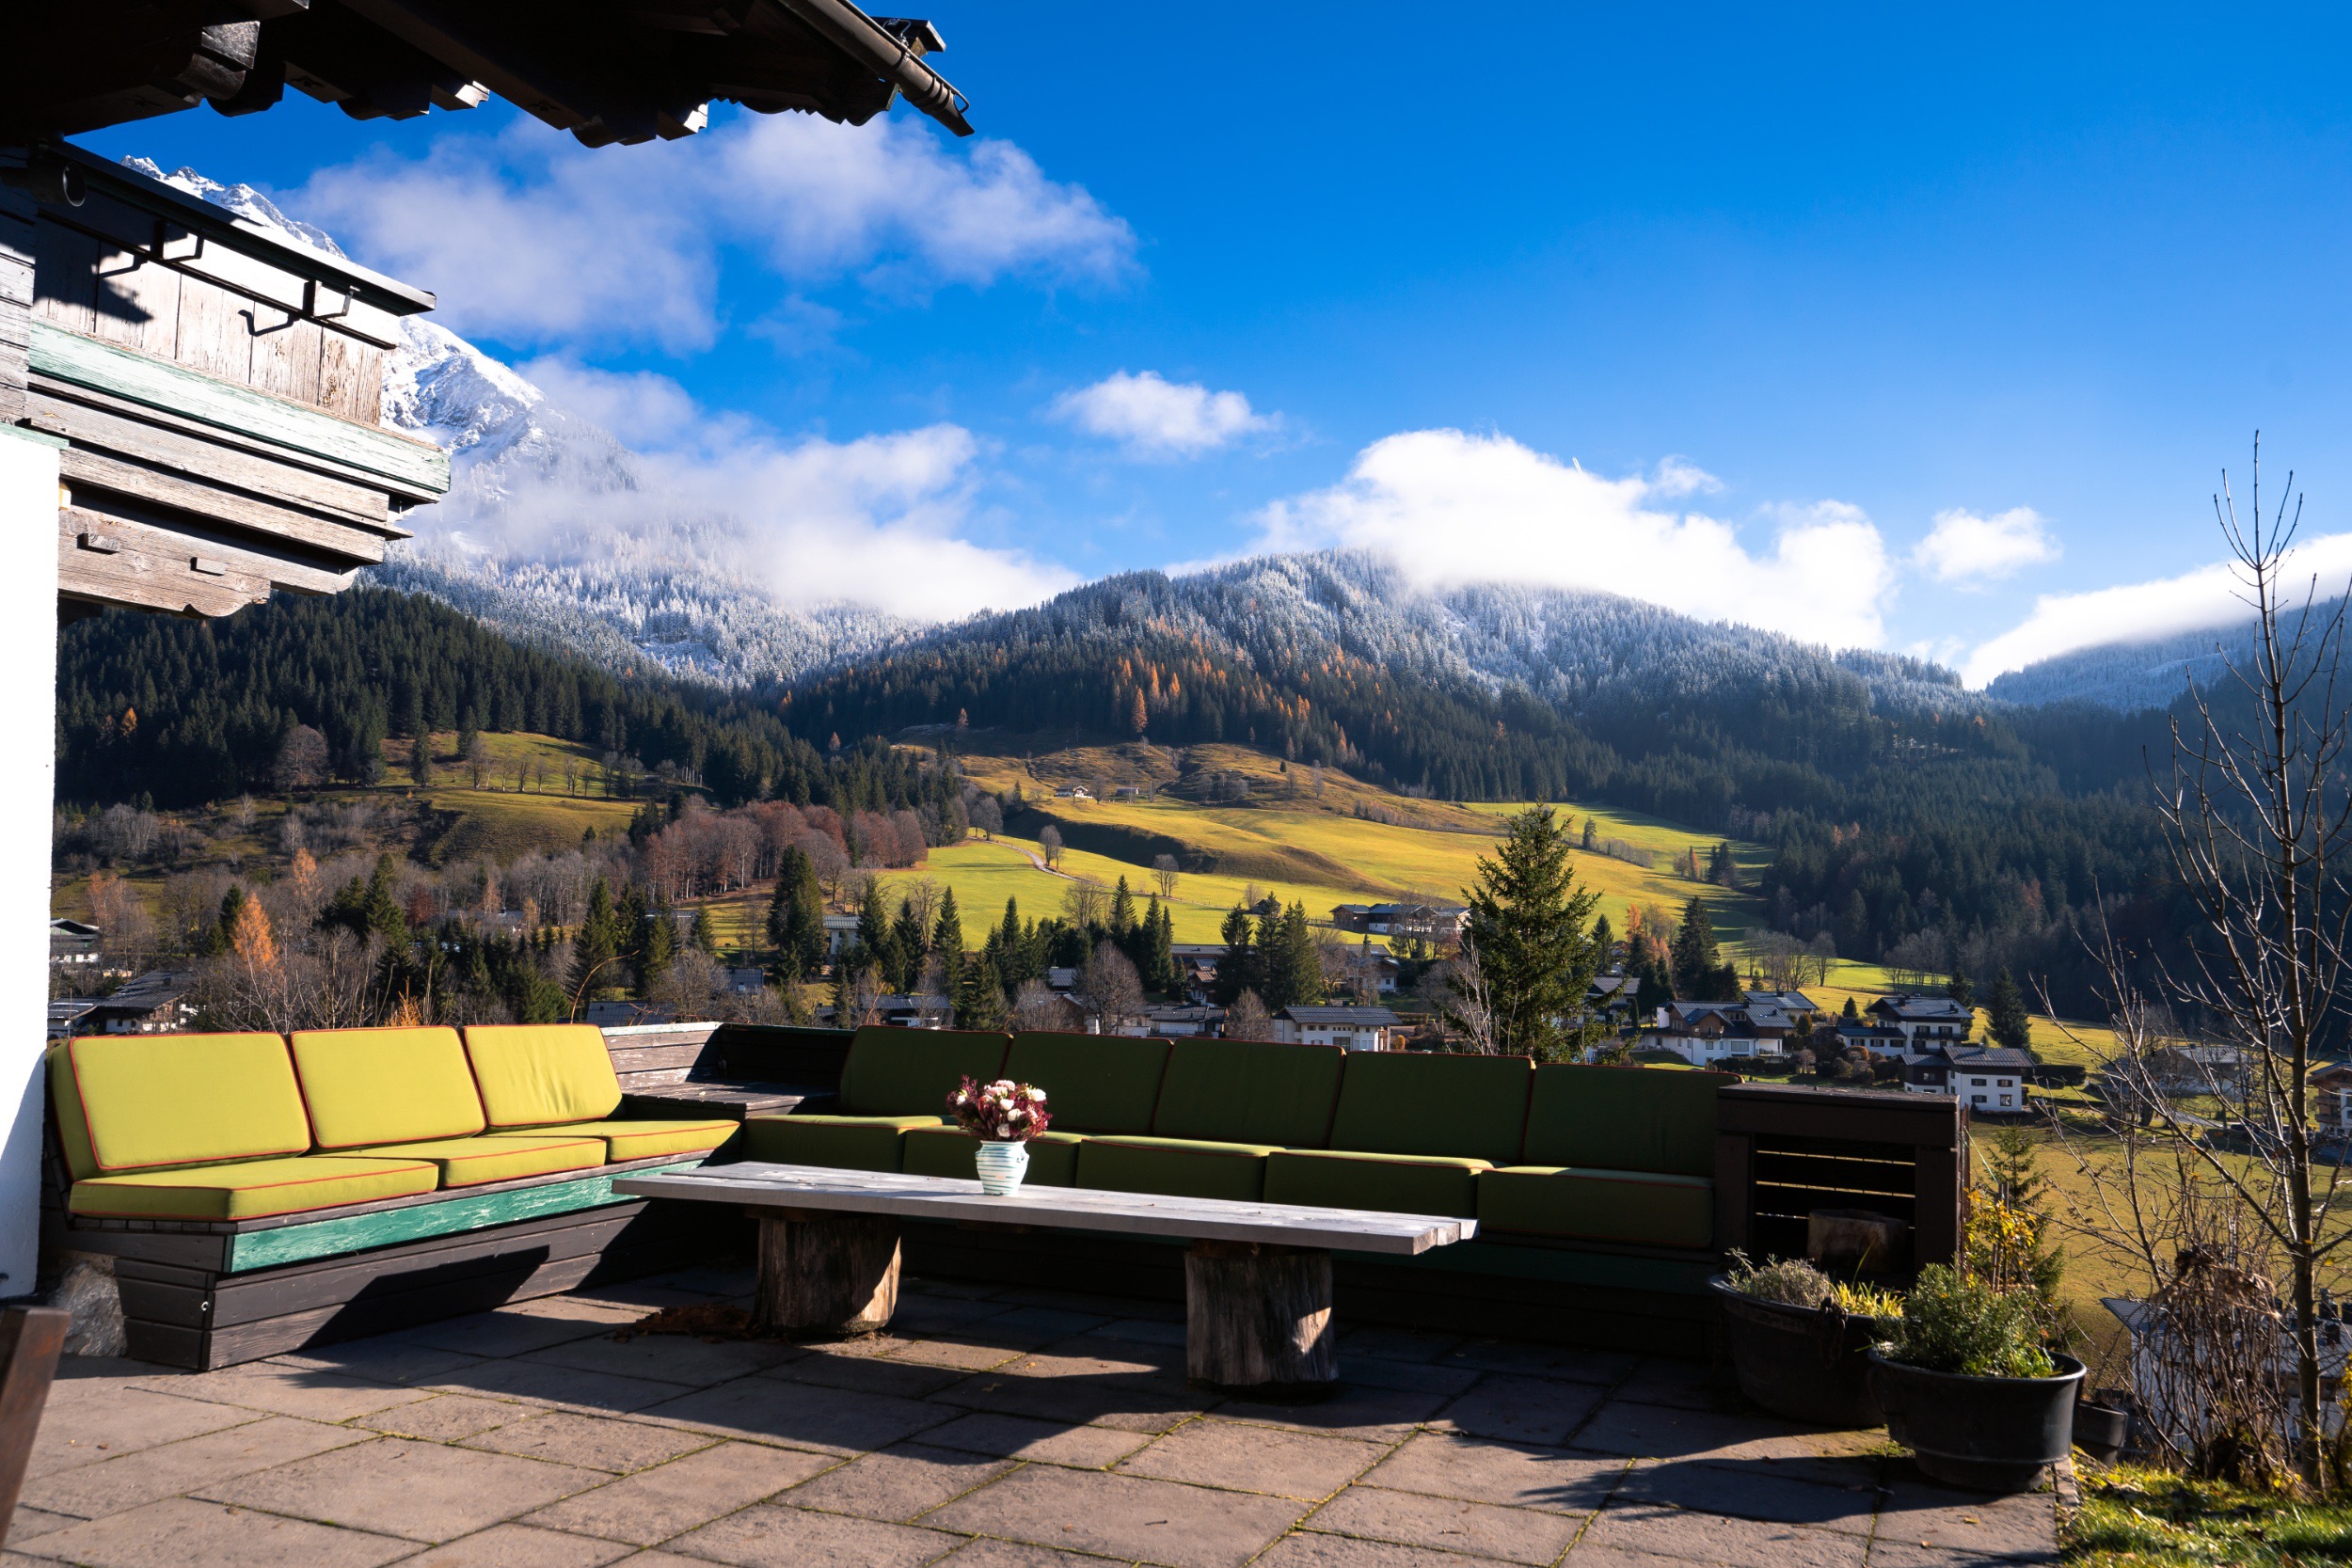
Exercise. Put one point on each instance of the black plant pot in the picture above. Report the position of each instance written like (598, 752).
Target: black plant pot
(1801, 1362)
(1987, 1433)
(2102, 1431)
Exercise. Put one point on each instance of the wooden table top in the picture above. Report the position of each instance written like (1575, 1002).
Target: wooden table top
(758, 1184)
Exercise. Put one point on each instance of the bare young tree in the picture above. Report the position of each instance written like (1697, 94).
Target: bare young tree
(477, 760)
(2258, 818)
(1036, 1006)
(1470, 1007)
(1088, 903)
(1164, 874)
(1112, 989)
(1248, 1019)
(1049, 847)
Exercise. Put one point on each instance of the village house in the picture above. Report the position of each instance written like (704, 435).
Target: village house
(1990, 1080)
(1440, 923)
(156, 1003)
(73, 946)
(1705, 1033)
(1350, 1028)
(2332, 1098)
(1926, 1021)
(1882, 1042)
(1183, 1022)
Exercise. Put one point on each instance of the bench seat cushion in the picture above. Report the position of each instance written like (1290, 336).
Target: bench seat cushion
(949, 1150)
(840, 1143)
(252, 1189)
(1623, 1118)
(898, 1073)
(498, 1156)
(1432, 1102)
(1250, 1092)
(537, 1074)
(1180, 1168)
(1639, 1208)
(1400, 1183)
(139, 1102)
(1093, 1083)
(369, 1086)
(642, 1140)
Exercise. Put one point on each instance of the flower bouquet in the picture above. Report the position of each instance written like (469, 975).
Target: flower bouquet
(1004, 1116)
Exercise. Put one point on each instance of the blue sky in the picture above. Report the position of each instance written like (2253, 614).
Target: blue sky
(1931, 334)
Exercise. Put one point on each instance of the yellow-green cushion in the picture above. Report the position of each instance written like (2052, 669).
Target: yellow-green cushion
(497, 1156)
(1093, 1083)
(536, 1074)
(1623, 1118)
(949, 1150)
(1181, 1167)
(369, 1087)
(1249, 1092)
(838, 1143)
(1398, 1183)
(642, 1140)
(1644, 1207)
(1433, 1102)
(897, 1072)
(250, 1190)
(138, 1102)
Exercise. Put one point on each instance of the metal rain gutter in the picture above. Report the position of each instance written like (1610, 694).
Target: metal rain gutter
(865, 42)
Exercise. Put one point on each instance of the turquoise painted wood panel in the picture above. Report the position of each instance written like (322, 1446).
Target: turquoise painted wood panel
(298, 1243)
(86, 362)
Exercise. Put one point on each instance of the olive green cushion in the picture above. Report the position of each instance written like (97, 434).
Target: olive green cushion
(843, 1143)
(641, 1140)
(497, 1156)
(1645, 1208)
(1400, 1183)
(898, 1073)
(1180, 1168)
(386, 1085)
(1624, 1119)
(1093, 1083)
(948, 1151)
(1427, 1102)
(534, 1074)
(1249, 1092)
(250, 1190)
(138, 1102)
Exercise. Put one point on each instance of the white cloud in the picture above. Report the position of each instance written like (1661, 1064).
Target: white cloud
(1964, 548)
(1152, 416)
(529, 239)
(1455, 508)
(2142, 611)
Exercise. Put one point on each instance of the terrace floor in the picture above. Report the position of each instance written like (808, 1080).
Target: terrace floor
(994, 1428)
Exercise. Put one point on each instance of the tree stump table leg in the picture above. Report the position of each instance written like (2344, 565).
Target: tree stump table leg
(1259, 1317)
(824, 1276)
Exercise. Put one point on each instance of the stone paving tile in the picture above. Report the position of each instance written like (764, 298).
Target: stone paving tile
(1122, 1516)
(924, 1315)
(562, 1387)
(424, 1490)
(1107, 1362)
(1397, 1344)
(520, 1546)
(1080, 1301)
(1309, 1550)
(1758, 1491)
(1448, 1523)
(1015, 1554)
(597, 1443)
(710, 1279)
(801, 1415)
(1900, 1553)
(1918, 1513)
(505, 1332)
(1521, 1359)
(1140, 1331)
(1690, 1535)
(1516, 1474)
(1682, 1383)
(1239, 1458)
(445, 1418)
(666, 1358)
(379, 1360)
(1076, 1401)
(771, 1537)
(867, 1374)
(292, 1391)
(957, 1352)
(1086, 1447)
(897, 1483)
(583, 1306)
(28, 1522)
(178, 1532)
(1358, 1410)
(121, 1421)
(651, 1506)
(1372, 1372)
(170, 1470)
(1521, 1409)
(1659, 1432)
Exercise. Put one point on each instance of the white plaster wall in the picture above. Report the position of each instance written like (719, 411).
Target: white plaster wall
(28, 768)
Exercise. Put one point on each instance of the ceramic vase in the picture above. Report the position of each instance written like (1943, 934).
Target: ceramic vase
(1001, 1165)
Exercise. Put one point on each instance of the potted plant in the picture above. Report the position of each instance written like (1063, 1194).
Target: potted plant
(1800, 1342)
(1004, 1116)
(1967, 1387)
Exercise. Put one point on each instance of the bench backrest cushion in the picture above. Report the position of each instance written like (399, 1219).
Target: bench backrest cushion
(367, 1086)
(129, 1102)
(1093, 1083)
(911, 1072)
(538, 1074)
(1624, 1119)
(1249, 1092)
(1425, 1103)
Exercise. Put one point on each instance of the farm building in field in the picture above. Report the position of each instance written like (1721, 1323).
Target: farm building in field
(1351, 1028)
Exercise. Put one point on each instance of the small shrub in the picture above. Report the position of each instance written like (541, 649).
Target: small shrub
(1794, 1282)
(1956, 1324)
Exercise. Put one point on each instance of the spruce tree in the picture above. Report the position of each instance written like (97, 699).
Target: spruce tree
(1531, 926)
(1122, 912)
(1294, 970)
(980, 997)
(1237, 966)
(1960, 990)
(877, 946)
(704, 935)
(796, 918)
(1159, 968)
(596, 946)
(420, 762)
(1694, 957)
(948, 942)
(2005, 1010)
(911, 943)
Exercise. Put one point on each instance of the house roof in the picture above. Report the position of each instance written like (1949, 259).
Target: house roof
(607, 70)
(1368, 1017)
(1788, 1001)
(1988, 1056)
(1923, 1009)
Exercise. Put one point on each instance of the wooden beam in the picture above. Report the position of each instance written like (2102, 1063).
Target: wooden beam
(107, 561)
(416, 470)
(325, 548)
(31, 1338)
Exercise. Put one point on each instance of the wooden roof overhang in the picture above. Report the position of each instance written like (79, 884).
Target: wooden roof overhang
(607, 70)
